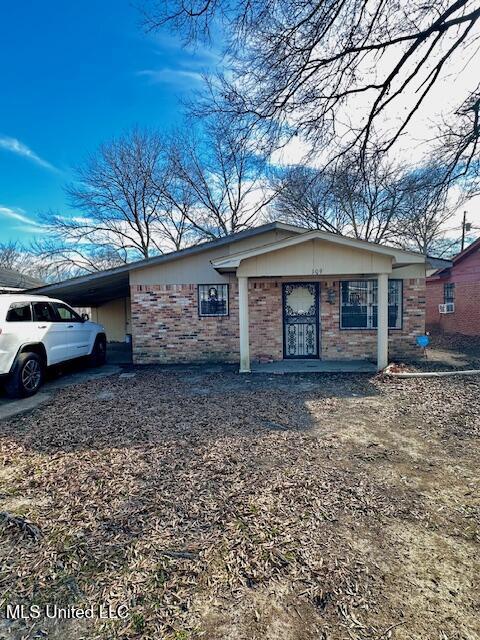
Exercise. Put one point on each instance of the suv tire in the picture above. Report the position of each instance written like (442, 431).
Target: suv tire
(26, 377)
(99, 352)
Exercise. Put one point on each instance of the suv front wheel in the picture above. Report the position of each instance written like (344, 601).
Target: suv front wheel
(26, 377)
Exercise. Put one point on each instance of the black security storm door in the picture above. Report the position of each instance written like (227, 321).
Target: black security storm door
(300, 320)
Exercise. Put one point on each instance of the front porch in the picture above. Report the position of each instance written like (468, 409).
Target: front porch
(314, 341)
(314, 366)
(324, 326)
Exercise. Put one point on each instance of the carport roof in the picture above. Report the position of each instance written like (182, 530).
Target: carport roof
(90, 290)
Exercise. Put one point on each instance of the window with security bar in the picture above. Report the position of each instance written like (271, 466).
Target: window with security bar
(212, 300)
(359, 304)
(449, 293)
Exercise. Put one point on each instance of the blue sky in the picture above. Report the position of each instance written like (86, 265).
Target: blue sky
(74, 74)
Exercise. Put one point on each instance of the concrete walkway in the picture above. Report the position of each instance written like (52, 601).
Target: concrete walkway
(315, 366)
(10, 407)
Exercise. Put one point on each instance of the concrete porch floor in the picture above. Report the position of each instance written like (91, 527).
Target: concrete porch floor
(315, 366)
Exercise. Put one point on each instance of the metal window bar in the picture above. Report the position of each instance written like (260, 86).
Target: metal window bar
(213, 299)
(359, 304)
(449, 293)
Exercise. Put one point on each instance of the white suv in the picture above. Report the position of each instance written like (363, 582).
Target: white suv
(37, 332)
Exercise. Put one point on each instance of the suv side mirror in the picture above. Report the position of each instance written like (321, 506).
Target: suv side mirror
(85, 317)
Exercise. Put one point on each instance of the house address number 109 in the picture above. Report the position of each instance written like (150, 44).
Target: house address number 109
(317, 272)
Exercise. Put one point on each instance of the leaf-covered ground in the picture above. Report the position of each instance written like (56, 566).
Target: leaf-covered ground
(232, 507)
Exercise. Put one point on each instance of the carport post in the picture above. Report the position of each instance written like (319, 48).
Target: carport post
(382, 321)
(243, 320)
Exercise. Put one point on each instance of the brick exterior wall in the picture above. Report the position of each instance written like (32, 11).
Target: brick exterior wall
(466, 317)
(167, 329)
(265, 319)
(338, 344)
(465, 274)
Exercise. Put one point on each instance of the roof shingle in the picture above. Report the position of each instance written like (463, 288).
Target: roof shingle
(11, 279)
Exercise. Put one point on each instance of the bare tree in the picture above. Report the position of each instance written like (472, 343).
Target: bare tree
(345, 198)
(174, 220)
(411, 208)
(428, 207)
(370, 198)
(338, 71)
(116, 198)
(143, 194)
(16, 257)
(121, 209)
(219, 176)
(460, 143)
(306, 199)
(66, 259)
(11, 256)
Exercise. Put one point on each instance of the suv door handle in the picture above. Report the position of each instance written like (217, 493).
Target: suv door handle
(70, 326)
(42, 326)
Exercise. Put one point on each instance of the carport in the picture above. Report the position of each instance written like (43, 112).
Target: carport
(105, 296)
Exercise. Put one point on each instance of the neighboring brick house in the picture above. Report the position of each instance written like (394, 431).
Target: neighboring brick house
(14, 282)
(270, 293)
(453, 295)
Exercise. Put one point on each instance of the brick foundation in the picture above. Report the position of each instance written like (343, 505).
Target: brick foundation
(167, 329)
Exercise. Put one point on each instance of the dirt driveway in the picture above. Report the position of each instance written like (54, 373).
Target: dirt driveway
(231, 507)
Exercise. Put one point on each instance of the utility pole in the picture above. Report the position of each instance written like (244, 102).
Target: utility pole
(464, 224)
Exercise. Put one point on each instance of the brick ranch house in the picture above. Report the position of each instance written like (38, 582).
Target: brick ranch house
(453, 295)
(266, 294)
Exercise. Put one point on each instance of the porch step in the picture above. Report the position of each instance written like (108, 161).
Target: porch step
(315, 366)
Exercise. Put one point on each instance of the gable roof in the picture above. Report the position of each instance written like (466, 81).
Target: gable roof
(445, 270)
(467, 251)
(399, 256)
(10, 279)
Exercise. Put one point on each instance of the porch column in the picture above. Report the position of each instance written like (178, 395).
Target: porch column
(243, 320)
(382, 321)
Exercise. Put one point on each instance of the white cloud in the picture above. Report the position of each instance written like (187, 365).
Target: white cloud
(295, 151)
(191, 56)
(15, 146)
(27, 229)
(180, 65)
(21, 216)
(170, 76)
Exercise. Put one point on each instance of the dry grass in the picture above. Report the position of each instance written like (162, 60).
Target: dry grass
(243, 508)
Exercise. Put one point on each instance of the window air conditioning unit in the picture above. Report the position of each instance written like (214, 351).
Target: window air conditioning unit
(449, 307)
